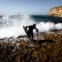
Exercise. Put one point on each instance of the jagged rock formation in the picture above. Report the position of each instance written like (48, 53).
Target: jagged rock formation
(56, 11)
(24, 50)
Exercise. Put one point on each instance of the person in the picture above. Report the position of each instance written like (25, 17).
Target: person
(30, 29)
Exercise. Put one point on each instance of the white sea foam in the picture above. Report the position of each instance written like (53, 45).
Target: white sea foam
(12, 25)
(48, 26)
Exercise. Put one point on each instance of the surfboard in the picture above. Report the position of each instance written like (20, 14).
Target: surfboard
(25, 29)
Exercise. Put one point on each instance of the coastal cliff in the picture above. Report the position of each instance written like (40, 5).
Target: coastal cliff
(55, 11)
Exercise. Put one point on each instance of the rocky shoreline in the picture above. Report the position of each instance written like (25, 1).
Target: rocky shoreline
(46, 47)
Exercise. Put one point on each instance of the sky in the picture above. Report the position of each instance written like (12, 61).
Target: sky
(28, 6)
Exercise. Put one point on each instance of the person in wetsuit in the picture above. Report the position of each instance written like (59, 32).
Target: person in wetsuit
(30, 29)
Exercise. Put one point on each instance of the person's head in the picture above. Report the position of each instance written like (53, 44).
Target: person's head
(34, 25)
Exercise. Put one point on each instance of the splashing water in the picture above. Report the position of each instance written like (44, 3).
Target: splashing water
(12, 25)
(48, 26)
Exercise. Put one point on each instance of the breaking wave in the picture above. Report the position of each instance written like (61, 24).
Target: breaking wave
(12, 25)
(48, 26)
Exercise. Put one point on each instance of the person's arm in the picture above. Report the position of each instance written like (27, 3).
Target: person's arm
(36, 29)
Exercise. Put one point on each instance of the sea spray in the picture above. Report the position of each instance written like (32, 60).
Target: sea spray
(12, 25)
(45, 26)
(48, 26)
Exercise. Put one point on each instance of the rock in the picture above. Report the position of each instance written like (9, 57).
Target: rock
(56, 11)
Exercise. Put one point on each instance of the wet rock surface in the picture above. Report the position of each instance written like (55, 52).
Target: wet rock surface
(46, 47)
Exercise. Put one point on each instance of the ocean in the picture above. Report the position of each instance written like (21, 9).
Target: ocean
(12, 25)
(47, 18)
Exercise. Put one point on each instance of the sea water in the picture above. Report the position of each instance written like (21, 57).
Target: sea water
(12, 25)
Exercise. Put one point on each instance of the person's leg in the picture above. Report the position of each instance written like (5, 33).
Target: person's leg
(28, 34)
(32, 35)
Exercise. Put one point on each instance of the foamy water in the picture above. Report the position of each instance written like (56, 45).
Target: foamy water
(12, 25)
(48, 26)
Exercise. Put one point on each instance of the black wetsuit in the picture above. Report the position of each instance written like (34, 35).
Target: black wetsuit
(30, 31)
